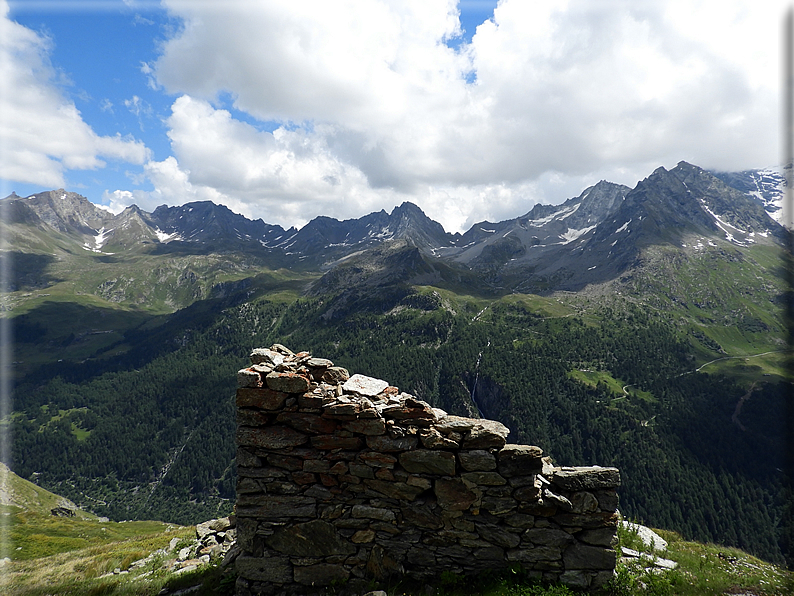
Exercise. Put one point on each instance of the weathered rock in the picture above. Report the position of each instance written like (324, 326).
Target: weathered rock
(265, 356)
(363, 385)
(271, 569)
(371, 426)
(379, 513)
(335, 375)
(486, 434)
(432, 439)
(270, 437)
(549, 537)
(384, 443)
(498, 535)
(581, 556)
(260, 397)
(523, 460)
(275, 506)
(307, 423)
(311, 539)
(591, 478)
(423, 461)
(335, 442)
(484, 478)
(477, 460)
(248, 378)
(455, 424)
(380, 565)
(422, 517)
(395, 490)
(319, 363)
(322, 574)
(453, 494)
(599, 537)
(287, 382)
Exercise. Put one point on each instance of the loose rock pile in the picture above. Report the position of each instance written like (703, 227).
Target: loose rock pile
(346, 479)
(215, 541)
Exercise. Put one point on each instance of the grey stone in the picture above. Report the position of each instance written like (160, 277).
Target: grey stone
(271, 569)
(367, 426)
(421, 516)
(583, 502)
(477, 460)
(260, 397)
(364, 511)
(265, 356)
(648, 536)
(455, 424)
(425, 461)
(549, 537)
(275, 506)
(363, 385)
(484, 478)
(385, 443)
(311, 539)
(533, 555)
(453, 494)
(582, 556)
(287, 382)
(319, 363)
(395, 490)
(335, 375)
(270, 437)
(498, 536)
(598, 537)
(557, 500)
(586, 478)
(321, 575)
(380, 565)
(486, 434)
(248, 378)
(520, 460)
(607, 500)
(576, 578)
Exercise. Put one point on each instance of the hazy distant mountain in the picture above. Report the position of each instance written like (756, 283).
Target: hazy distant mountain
(767, 186)
(588, 239)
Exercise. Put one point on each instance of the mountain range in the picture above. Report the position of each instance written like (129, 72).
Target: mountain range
(588, 239)
(636, 327)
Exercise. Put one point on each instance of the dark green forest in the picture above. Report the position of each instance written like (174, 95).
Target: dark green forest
(149, 433)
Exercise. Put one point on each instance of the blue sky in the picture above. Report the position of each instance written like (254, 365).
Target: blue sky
(287, 112)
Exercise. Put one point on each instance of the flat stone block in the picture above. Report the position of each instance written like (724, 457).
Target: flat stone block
(386, 443)
(453, 494)
(427, 461)
(260, 397)
(477, 460)
(520, 460)
(586, 478)
(582, 556)
(271, 569)
(270, 437)
(321, 575)
(364, 385)
(287, 382)
(311, 539)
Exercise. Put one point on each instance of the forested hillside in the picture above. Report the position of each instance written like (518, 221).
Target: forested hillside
(149, 432)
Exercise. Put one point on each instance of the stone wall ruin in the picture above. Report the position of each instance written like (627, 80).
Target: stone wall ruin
(344, 480)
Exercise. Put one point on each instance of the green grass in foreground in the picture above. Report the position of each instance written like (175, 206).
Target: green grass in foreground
(703, 570)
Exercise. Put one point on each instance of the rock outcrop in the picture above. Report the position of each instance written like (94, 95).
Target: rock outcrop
(343, 480)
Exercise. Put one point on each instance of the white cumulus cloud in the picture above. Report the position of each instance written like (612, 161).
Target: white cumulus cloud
(374, 108)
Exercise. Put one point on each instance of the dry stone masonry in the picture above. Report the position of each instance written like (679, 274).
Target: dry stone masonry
(345, 480)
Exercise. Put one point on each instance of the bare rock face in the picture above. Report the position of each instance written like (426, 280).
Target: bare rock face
(345, 479)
